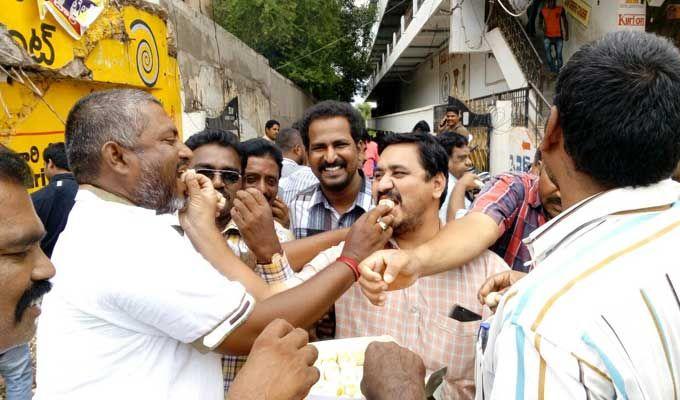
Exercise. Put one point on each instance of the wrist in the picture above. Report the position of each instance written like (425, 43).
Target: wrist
(419, 257)
(352, 264)
(265, 256)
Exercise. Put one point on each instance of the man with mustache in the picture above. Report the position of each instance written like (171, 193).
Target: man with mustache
(24, 274)
(457, 148)
(412, 173)
(509, 208)
(217, 155)
(144, 307)
(332, 132)
(597, 318)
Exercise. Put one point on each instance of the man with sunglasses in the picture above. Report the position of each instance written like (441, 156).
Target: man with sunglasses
(218, 156)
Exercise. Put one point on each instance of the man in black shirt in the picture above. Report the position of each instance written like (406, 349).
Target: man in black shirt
(53, 203)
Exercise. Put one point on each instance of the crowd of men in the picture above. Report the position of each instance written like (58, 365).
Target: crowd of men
(202, 269)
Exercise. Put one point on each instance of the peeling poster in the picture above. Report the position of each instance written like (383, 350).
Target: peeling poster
(75, 16)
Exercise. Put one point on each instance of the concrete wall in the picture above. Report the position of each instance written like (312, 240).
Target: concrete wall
(421, 89)
(487, 77)
(215, 67)
(403, 121)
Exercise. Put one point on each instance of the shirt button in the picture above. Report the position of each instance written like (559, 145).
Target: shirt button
(414, 310)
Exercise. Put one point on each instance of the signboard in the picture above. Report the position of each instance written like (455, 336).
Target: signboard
(631, 14)
(125, 46)
(228, 119)
(579, 10)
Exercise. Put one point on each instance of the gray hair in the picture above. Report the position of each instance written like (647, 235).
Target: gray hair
(105, 116)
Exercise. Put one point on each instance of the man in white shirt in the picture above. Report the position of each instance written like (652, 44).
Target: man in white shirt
(271, 130)
(457, 150)
(141, 301)
(598, 316)
(290, 143)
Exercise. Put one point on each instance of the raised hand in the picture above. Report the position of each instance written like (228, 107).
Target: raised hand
(280, 212)
(253, 216)
(367, 235)
(387, 270)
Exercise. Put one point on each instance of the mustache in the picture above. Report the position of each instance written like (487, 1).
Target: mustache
(36, 291)
(391, 194)
(553, 200)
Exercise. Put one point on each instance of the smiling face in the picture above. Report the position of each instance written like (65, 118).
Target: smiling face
(161, 160)
(452, 118)
(215, 157)
(333, 154)
(400, 177)
(24, 268)
(262, 173)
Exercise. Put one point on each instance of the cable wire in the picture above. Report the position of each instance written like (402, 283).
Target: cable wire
(333, 42)
(509, 12)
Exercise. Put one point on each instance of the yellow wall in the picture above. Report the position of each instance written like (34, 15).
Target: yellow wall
(123, 47)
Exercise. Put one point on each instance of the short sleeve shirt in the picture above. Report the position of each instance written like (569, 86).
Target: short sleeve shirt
(513, 202)
(130, 297)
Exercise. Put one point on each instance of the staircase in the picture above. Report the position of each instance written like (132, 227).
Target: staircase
(530, 55)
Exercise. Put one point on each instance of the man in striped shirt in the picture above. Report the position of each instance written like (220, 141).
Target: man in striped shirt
(412, 172)
(598, 317)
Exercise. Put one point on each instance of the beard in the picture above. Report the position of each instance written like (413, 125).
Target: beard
(407, 225)
(157, 189)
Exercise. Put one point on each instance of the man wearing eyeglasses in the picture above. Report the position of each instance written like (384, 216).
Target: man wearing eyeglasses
(247, 221)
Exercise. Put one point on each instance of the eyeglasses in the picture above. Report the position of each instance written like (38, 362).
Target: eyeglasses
(227, 175)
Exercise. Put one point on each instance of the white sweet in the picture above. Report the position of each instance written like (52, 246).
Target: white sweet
(386, 202)
(492, 299)
(331, 371)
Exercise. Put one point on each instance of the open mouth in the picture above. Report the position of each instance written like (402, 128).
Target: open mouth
(390, 198)
(36, 302)
(332, 170)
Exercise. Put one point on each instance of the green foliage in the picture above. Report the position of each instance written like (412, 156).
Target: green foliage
(365, 110)
(336, 32)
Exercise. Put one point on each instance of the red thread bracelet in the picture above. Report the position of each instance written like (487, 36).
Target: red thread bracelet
(352, 264)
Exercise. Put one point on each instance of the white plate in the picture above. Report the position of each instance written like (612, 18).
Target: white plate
(328, 348)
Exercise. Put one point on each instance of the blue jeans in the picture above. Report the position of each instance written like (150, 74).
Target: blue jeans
(555, 63)
(15, 368)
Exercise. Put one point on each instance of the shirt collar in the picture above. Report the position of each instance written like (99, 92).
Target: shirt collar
(363, 199)
(61, 177)
(289, 161)
(546, 238)
(534, 197)
(89, 192)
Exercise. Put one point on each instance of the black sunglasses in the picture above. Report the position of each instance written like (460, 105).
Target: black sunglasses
(227, 175)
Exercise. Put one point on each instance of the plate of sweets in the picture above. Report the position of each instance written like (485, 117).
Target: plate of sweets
(341, 367)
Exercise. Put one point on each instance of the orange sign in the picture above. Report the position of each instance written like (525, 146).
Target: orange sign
(579, 10)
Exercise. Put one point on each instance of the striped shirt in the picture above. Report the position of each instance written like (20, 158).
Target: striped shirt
(417, 317)
(311, 213)
(288, 167)
(513, 201)
(278, 270)
(599, 316)
(298, 180)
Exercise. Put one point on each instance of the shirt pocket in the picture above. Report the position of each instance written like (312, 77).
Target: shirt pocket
(447, 342)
